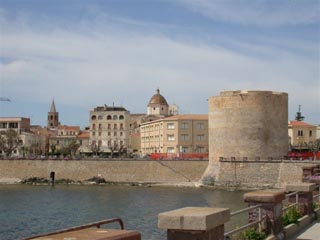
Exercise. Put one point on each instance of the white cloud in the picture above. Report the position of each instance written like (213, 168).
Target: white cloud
(104, 66)
(258, 12)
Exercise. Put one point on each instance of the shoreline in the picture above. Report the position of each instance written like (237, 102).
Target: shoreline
(16, 181)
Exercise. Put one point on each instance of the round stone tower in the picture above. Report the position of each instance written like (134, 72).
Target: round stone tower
(247, 125)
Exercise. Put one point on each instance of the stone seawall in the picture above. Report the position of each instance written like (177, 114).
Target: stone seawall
(258, 174)
(171, 172)
(263, 174)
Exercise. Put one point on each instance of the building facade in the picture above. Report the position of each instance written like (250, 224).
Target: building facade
(175, 134)
(32, 144)
(62, 137)
(301, 133)
(109, 129)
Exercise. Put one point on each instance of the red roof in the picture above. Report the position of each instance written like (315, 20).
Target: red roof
(69, 128)
(84, 135)
(299, 124)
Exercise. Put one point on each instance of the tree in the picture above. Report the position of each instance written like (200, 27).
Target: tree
(73, 148)
(113, 147)
(95, 148)
(9, 141)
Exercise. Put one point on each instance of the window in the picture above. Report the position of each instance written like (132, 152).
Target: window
(109, 143)
(200, 138)
(80, 142)
(200, 125)
(109, 126)
(184, 125)
(201, 149)
(170, 149)
(93, 126)
(184, 149)
(115, 117)
(99, 117)
(93, 133)
(109, 133)
(310, 133)
(109, 117)
(100, 126)
(99, 134)
(170, 125)
(121, 117)
(300, 133)
(13, 125)
(184, 137)
(115, 126)
(121, 133)
(121, 126)
(115, 134)
(170, 137)
(93, 117)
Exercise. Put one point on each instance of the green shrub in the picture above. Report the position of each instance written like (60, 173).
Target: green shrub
(253, 234)
(315, 205)
(292, 215)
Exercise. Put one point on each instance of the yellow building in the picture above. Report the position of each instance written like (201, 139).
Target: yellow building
(301, 133)
(175, 134)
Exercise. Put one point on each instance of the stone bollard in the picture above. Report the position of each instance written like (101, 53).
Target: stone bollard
(194, 223)
(271, 202)
(305, 198)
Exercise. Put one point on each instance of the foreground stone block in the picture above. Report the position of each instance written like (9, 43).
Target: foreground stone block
(300, 187)
(194, 218)
(264, 196)
(194, 223)
(271, 205)
(94, 234)
(305, 196)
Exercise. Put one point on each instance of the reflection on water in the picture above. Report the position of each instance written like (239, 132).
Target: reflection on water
(30, 210)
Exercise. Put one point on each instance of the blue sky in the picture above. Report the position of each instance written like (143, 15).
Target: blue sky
(89, 53)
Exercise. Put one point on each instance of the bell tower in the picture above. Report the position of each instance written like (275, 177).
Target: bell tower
(53, 117)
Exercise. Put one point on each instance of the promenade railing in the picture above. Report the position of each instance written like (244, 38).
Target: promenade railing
(258, 222)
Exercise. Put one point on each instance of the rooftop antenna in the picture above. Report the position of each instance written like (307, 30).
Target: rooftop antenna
(299, 116)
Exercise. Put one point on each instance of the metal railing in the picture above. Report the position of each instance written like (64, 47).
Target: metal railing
(241, 228)
(260, 217)
(293, 204)
(315, 196)
(89, 225)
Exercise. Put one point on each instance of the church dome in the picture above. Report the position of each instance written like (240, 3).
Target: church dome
(157, 99)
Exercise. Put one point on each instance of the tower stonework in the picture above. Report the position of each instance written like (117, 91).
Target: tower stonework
(246, 125)
(53, 117)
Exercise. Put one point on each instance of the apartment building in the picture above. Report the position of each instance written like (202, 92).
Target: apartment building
(109, 128)
(175, 134)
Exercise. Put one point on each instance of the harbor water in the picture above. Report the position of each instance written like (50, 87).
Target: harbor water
(30, 210)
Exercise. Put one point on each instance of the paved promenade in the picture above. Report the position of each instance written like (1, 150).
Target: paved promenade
(310, 233)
